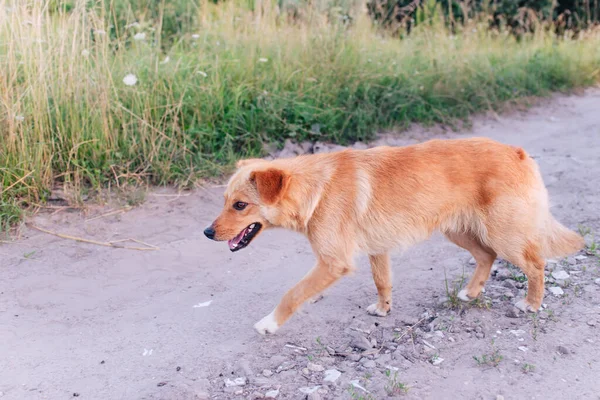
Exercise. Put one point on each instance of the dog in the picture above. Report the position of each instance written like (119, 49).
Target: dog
(486, 197)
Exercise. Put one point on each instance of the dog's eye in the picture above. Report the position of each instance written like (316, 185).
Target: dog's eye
(239, 205)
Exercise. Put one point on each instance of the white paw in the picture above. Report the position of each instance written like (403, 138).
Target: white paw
(462, 295)
(373, 309)
(267, 324)
(524, 306)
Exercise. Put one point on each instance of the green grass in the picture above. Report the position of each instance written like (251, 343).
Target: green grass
(216, 82)
(492, 359)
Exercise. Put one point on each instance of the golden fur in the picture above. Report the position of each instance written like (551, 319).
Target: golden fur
(486, 197)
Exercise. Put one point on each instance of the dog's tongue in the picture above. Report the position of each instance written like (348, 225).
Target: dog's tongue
(236, 240)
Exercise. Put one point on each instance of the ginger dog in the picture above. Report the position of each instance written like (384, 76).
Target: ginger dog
(486, 197)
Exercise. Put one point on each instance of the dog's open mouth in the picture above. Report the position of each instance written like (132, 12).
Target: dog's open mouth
(244, 238)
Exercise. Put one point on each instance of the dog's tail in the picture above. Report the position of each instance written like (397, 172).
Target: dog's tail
(560, 241)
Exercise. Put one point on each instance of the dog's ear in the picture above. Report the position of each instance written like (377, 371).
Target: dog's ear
(271, 184)
(243, 163)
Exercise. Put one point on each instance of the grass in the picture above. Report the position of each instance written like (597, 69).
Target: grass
(216, 82)
(528, 368)
(394, 386)
(492, 359)
(452, 290)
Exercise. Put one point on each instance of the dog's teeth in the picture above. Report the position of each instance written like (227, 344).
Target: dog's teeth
(252, 226)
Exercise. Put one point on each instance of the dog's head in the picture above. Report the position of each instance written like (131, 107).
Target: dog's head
(255, 188)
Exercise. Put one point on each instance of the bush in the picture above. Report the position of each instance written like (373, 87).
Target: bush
(520, 16)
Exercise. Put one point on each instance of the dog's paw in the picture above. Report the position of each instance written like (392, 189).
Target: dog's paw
(374, 309)
(267, 325)
(524, 306)
(462, 295)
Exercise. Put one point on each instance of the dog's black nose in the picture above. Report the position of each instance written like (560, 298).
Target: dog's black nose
(210, 232)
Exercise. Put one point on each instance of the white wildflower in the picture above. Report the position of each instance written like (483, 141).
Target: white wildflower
(85, 52)
(166, 60)
(100, 32)
(195, 36)
(133, 24)
(204, 74)
(263, 60)
(19, 118)
(130, 80)
(139, 36)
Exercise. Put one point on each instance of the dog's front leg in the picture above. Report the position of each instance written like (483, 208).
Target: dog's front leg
(323, 275)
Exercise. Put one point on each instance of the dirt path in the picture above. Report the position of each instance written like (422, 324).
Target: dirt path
(99, 323)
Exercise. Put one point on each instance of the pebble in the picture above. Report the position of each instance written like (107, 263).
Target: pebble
(309, 390)
(563, 350)
(580, 257)
(508, 294)
(499, 397)
(315, 367)
(503, 274)
(555, 290)
(267, 373)
(331, 375)
(472, 261)
(305, 371)
(369, 364)
(523, 348)
(597, 281)
(592, 322)
(360, 342)
(286, 365)
(518, 332)
(509, 284)
(437, 361)
(241, 381)
(513, 313)
(354, 357)
(480, 335)
(560, 275)
(272, 394)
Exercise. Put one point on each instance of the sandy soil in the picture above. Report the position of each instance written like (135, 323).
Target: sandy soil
(80, 320)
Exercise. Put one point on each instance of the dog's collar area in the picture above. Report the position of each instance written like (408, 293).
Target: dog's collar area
(244, 238)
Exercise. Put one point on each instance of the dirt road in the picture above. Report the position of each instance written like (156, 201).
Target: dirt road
(80, 320)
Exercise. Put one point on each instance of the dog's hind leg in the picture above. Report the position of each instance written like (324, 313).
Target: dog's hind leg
(532, 264)
(382, 275)
(483, 255)
(323, 275)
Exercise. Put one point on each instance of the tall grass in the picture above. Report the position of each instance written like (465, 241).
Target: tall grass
(225, 80)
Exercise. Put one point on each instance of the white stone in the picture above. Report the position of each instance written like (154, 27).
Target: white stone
(555, 290)
(437, 361)
(560, 275)
(331, 375)
(241, 381)
(309, 390)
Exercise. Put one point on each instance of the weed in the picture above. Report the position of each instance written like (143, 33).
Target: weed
(359, 396)
(492, 359)
(528, 368)
(394, 386)
(29, 254)
(454, 302)
(10, 214)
